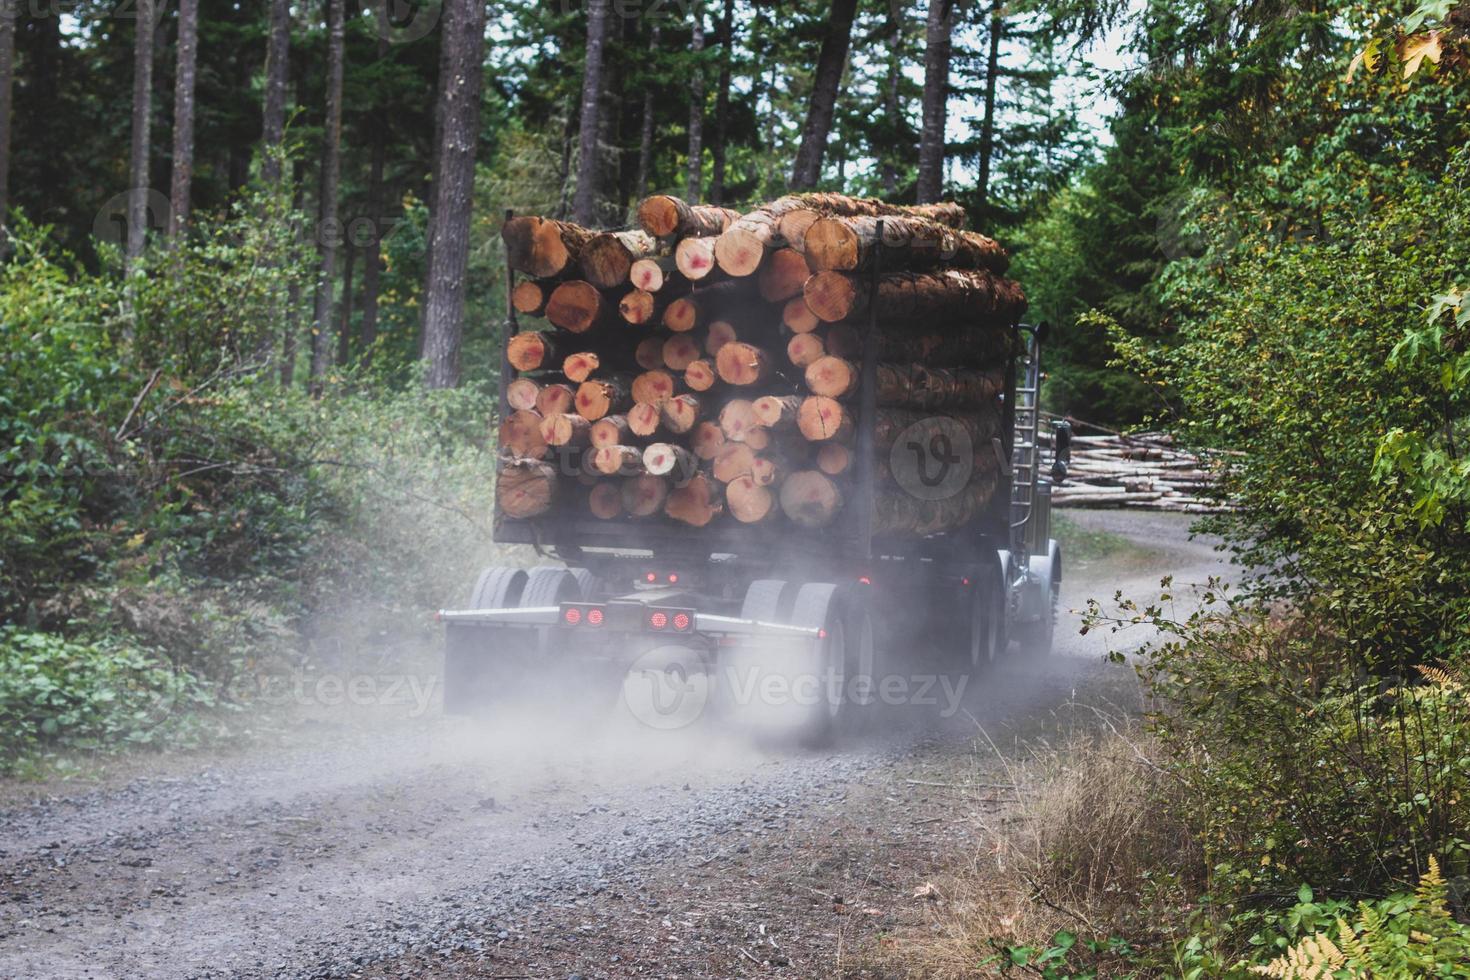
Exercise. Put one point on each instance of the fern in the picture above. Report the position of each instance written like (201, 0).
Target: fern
(1410, 936)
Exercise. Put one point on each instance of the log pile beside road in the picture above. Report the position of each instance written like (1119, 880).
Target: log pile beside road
(1144, 471)
(706, 368)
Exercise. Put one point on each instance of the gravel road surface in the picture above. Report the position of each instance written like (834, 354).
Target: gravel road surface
(586, 846)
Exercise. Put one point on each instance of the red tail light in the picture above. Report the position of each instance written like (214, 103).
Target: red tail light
(650, 577)
(965, 581)
(681, 621)
(594, 617)
(865, 580)
(674, 577)
(658, 620)
(573, 616)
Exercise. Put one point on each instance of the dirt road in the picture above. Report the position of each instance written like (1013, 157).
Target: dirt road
(437, 847)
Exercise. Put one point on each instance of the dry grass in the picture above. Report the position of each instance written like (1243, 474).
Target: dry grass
(1087, 845)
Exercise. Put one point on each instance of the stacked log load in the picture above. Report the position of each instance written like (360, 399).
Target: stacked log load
(706, 367)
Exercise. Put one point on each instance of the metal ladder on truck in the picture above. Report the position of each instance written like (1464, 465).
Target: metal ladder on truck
(1028, 497)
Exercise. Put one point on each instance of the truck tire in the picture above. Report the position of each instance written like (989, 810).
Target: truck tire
(471, 652)
(768, 600)
(498, 587)
(843, 651)
(1038, 636)
(986, 627)
(549, 586)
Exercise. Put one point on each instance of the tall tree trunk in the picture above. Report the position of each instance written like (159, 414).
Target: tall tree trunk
(290, 335)
(987, 127)
(344, 322)
(696, 105)
(937, 39)
(373, 257)
(329, 227)
(9, 12)
(645, 137)
(183, 159)
(277, 61)
(453, 197)
(722, 104)
(138, 151)
(892, 112)
(435, 154)
(584, 204)
(831, 63)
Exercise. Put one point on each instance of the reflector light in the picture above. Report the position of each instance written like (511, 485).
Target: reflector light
(572, 616)
(658, 620)
(594, 617)
(865, 580)
(673, 577)
(650, 577)
(965, 581)
(681, 621)
(821, 634)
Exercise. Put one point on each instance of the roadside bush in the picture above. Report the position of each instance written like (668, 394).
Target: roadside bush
(172, 516)
(90, 695)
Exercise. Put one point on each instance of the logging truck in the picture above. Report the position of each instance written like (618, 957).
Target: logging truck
(745, 537)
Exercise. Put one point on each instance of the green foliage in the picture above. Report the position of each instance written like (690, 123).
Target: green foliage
(1067, 958)
(1296, 767)
(90, 695)
(1404, 935)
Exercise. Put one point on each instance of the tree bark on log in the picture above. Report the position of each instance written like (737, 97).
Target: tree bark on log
(951, 296)
(526, 488)
(852, 243)
(664, 216)
(607, 259)
(927, 389)
(542, 247)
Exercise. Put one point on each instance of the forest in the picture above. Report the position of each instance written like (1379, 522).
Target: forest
(252, 302)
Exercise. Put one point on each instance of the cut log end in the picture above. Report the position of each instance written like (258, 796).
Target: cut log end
(520, 435)
(706, 440)
(810, 498)
(739, 251)
(577, 306)
(610, 430)
(805, 349)
(679, 414)
(799, 317)
(783, 275)
(742, 364)
(680, 351)
(521, 394)
(529, 297)
(526, 488)
(555, 399)
(832, 376)
(580, 367)
(530, 351)
(654, 387)
(700, 375)
(697, 503)
(644, 495)
(831, 296)
(643, 419)
(822, 419)
(605, 501)
(749, 502)
(695, 258)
